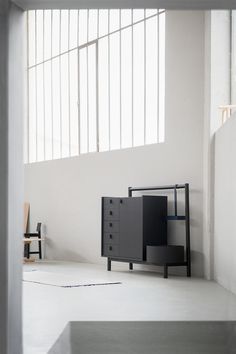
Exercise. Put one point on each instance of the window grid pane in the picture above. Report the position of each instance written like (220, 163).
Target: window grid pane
(161, 78)
(39, 35)
(40, 112)
(126, 88)
(31, 38)
(108, 94)
(56, 112)
(92, 98)
(48, 110)
(55, 32)
(65, 117)
(32, 116)
(114, 91)
(83, 103)
(47, 34)
(138, 84)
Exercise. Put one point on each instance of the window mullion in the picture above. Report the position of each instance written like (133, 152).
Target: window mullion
(120, 81)
(97, 88)
(145, 82)
(87, 74)
(36, 91)
(158, 72)
(78, 88)
(109, 84)
(28, 118)
(132, 75)
(60, 90)
(44, 128)
(52, 132)
(69, 111)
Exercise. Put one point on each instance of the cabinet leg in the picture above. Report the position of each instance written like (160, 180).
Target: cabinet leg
(188, 270)
(165, 271)
(130, 266)
(108, 264)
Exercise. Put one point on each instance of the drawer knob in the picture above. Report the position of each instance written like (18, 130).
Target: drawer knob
(110, 248)
(110, 201)
(110, 236)
(111, 213)
(110, 224)
(121, 201)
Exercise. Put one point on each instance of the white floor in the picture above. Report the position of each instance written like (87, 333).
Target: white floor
(143, 295)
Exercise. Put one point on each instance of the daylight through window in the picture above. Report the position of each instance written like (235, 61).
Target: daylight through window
(96, 81)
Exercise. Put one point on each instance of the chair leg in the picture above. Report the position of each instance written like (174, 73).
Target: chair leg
(25, 250)
(28, 250)
(40, 250)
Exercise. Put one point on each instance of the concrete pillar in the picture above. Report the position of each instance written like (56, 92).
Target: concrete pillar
(16, 105)
(3, 175)
(11, 176)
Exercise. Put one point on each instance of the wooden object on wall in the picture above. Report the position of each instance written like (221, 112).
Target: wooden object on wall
(226, 112)
(26, 216)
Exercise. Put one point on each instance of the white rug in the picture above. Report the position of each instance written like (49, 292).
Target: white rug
(61, 280)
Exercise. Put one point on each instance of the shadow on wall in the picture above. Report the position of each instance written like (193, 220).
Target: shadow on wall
(62, 254)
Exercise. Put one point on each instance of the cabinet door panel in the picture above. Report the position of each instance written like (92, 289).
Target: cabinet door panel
(131, 229)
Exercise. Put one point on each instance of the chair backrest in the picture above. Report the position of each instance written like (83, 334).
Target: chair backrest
(38, 228)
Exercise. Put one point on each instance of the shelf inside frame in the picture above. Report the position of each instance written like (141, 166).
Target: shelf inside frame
(176, 217)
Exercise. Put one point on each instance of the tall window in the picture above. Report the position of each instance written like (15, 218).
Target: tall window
(96, 81)
(233, 57)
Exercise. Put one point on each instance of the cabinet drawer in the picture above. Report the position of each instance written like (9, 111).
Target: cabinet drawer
(111, 226)
(111, 238)
(111, 202)
(111, 250)
(111, 213)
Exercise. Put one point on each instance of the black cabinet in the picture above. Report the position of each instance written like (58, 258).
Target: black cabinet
(134, 229)
(130, 224)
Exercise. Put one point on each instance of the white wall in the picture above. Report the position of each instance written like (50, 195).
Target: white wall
(225, 205)
(220, 65)
(65, 194)
(217, 92)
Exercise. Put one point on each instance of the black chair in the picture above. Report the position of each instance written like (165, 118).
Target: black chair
(33, 235)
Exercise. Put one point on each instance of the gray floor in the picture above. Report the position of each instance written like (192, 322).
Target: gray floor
(147, 338)
(142, 296)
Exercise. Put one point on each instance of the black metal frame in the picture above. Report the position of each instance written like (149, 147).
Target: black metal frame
(185, 217)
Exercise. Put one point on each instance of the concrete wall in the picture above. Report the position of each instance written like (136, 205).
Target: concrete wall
(65, 194)
(166, 4)
(225, 205)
